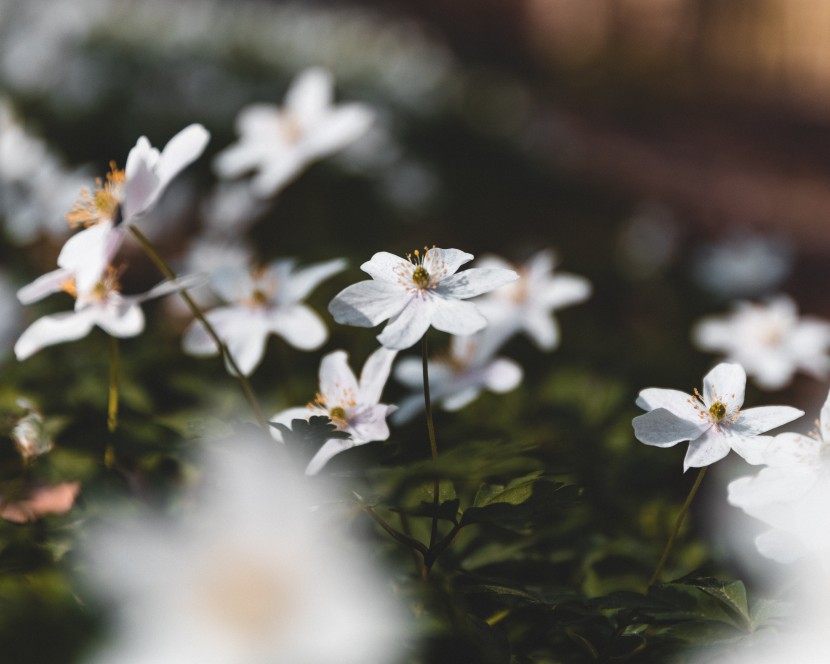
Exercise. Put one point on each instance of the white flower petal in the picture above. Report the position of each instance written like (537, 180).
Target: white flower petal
(46, 284)
(455, 316)
(300, 284)
(375, 373)
(458, 400)
(779, 546)
(679, 403)
(340, 128)
(184, 282)
(407, 327)
(235, 160)
(722, 382)
(663, 428)
(408, 408)
(564, 289)
(705, 450)
(54, 329)
(542, 328)
(503, 375)
(753, 449)
(276, 172)
(87, 253)
(338, 384)
(330, 448)
(142, 186)
(299, 326)
(474, 281)
(232, 284)
(446, 260)
(794, 449)
(246, 344)
(410, 372)
(368, 423)
(181, 150)
(385, 266)
(367, 303)
(753, 421)
(824, 420)
(120, 321)
(310, 94)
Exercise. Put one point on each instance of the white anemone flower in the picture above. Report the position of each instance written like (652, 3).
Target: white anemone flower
(278, 143)
(712, 422)
(770, 340)
(528, 304)
(791, 495)
(263, 302)
(246, 572)
(352, 405)
(104, 305)
(115, 204)
(423, 290)
(458, 379)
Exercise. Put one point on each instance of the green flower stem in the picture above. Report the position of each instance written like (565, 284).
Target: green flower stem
(679, 522)
(247, 390)
(112, 401)
(411, 542)
(433, 445)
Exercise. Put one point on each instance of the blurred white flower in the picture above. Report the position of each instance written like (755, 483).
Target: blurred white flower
(246, 573)
(456, 380)
(418, 292)
(744, 264)
(29, 432)
(265, 301)
(791, 494)
(106, 212)
(712, 422)
(528, 304)
(104, 305)
(279, 143)
(231, 208)
(353, 406)
(769, 340)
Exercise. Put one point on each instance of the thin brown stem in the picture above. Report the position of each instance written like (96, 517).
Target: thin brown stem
(433, 445)
(677, 524)
(165, 269)
(112, 401)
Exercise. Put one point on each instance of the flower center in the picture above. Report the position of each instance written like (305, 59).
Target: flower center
(338, 413)
(102, 204)
(259, 298)
(420, 276)
(717, 410)
(424, 270)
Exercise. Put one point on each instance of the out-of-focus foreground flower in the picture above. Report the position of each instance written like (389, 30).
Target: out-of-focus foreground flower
(769, 340)
(425, 289)
(246, 573)
(712, 422)
(353, 406)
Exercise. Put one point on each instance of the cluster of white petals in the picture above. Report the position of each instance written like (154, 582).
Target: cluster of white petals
(713, 422)
(278, 143)
(769, 340)
(352, 405)
(246, 572)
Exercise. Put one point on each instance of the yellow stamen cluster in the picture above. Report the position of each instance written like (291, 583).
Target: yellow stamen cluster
(337, 413)
(420, 276)
(103, 204)
(718, 412)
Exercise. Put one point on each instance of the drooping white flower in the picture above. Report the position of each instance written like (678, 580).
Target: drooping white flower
(713, 422)
(792, 494)
(769, 340)
(246, 572)
(264, 301)
(106, 212)
(278, 143)
(423, 290)
(352, 405)
(458, 379)
(104, 305)
(528, 304)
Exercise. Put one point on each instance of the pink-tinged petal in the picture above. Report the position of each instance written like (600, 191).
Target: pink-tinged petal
(342, 127)
(384, 266)
(367, 303)
(564, 289)
(374, 375)
(753, 421)
(338, 384)
(663, 428)
(705, 450)
(120, 321)
(753, 449)
(446, 261)
(299, 326)
(460, 399)
(455, 316)
(408, 326)
(724, 381)
(503, 375)
(54, 329)
(679, 403)
(475, 281)
(310, 95)
(368, 423)
(542, 328)
(51, 282)
(276, 172)
(330, 448)
(286, 417)
(42, 501)
(300, 284)
(793, 449)
(181, 151)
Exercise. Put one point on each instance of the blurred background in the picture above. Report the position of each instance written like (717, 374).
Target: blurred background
(674, 152)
